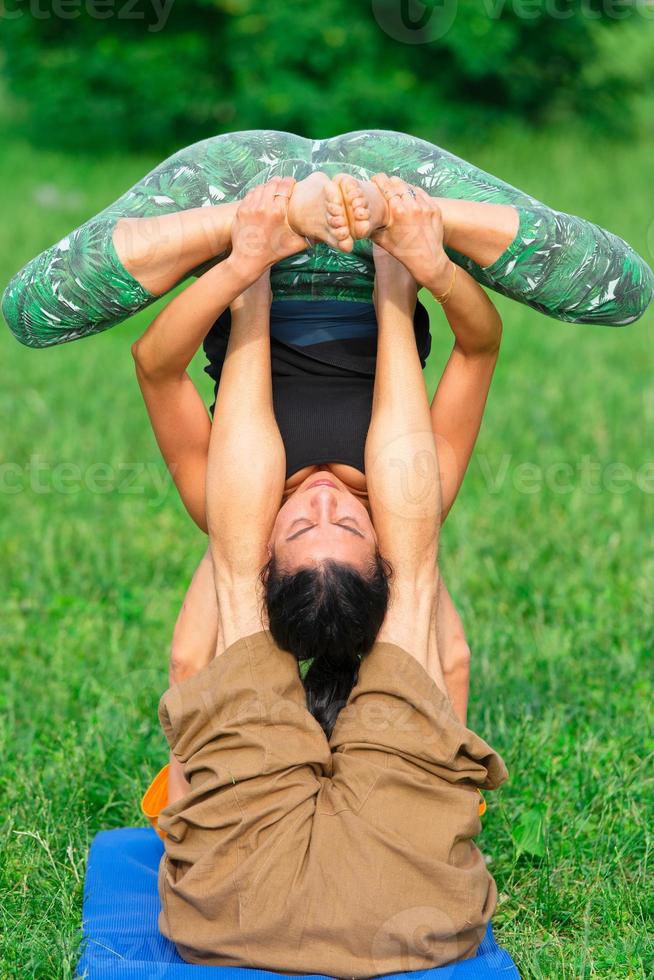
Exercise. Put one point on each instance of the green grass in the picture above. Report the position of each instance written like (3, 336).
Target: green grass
(555, 589)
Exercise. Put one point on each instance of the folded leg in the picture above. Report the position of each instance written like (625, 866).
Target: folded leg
(254, 758)
(289, 853)
(80, 286)
(557, 263)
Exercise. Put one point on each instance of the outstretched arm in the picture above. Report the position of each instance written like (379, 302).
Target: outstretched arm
(246, 466)
(402, 467)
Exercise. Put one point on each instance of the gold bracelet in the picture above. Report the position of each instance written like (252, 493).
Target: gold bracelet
(448, 292)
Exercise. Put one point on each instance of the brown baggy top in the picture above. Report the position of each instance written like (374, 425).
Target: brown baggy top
(351, 856)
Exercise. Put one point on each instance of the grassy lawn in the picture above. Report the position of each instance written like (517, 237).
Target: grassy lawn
(551, 567)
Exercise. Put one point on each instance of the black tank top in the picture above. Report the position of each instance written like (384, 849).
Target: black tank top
(323, 356)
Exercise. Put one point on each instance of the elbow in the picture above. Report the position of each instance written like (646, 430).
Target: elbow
(146, 368)
(485, 346)
(138, 355)
(490, 343)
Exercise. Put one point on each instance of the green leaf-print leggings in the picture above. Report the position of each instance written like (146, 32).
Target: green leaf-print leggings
(559, 264)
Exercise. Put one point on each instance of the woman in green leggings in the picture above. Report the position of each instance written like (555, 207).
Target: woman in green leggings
(559, 264)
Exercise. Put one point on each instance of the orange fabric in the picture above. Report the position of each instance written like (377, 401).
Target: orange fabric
(156, 798)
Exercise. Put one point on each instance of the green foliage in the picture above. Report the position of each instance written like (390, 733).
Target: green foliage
(163, 73)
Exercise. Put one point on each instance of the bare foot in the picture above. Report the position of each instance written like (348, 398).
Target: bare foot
(365, 206)
(316, 210)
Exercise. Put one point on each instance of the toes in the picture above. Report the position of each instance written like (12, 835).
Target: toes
(353, 192)
(337, 221)
(336, 208)
(332, 193)
(339, 238)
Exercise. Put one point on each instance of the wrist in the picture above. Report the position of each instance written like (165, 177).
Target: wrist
(243, 270)
(440, 279)
(393, 301)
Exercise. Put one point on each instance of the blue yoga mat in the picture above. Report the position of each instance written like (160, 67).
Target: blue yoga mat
(121, 937)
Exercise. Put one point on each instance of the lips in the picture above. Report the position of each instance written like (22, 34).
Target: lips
(322, 483)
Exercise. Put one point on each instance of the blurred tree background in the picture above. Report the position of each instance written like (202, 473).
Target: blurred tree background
(157, 74)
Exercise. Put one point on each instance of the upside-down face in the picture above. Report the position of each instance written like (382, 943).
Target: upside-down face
(322, 520)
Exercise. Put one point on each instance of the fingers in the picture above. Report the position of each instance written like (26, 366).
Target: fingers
(271, 197)
(383, 182)
(423, 196)
(400, 187)
(391, 186)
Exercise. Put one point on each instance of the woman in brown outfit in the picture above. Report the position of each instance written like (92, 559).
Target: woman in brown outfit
(349, 854)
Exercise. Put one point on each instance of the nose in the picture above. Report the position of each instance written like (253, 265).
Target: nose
(324, 502)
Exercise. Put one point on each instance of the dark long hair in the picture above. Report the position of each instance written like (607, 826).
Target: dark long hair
(329, 614)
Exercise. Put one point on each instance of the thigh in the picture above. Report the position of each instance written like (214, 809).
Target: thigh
(439, 172)
(213, 171)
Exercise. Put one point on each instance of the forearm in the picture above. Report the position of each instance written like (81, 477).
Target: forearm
(457, 412)
(458, 405)
(169, 344)
(399, 402)
(472, 317)
(160, 251)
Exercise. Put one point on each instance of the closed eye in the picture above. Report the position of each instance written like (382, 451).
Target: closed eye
(348, 527)
(341, 524)
(303, 530)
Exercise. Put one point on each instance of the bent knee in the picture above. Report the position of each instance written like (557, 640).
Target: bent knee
(457, 656)
(184, 662)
